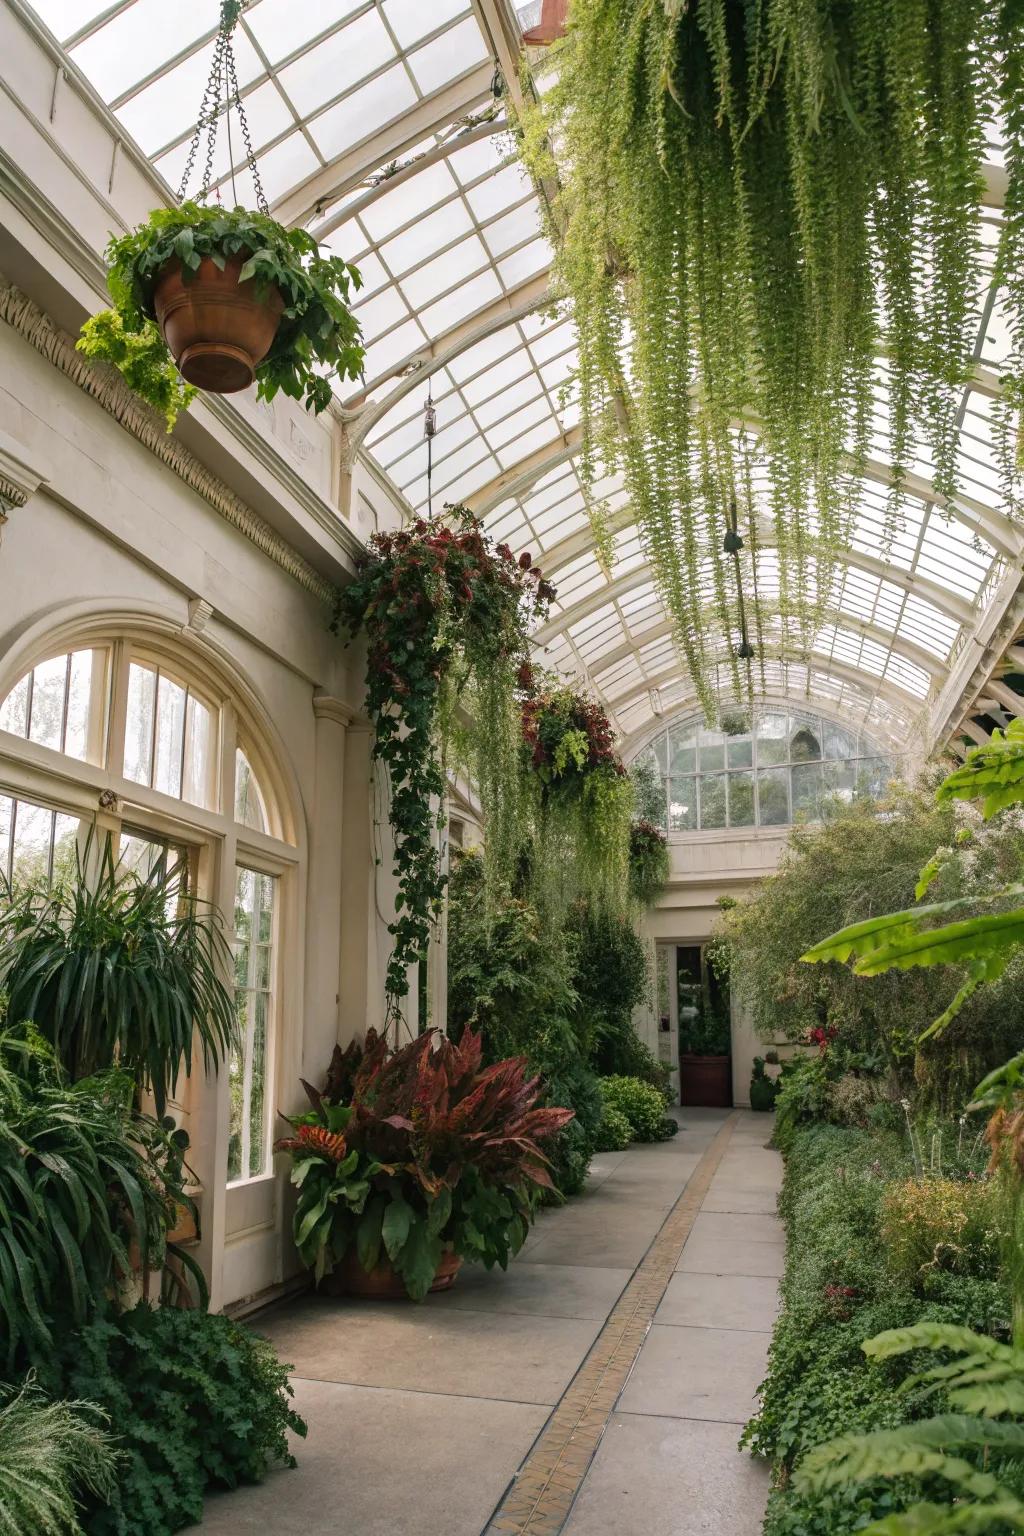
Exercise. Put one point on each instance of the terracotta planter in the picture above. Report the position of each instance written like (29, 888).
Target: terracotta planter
(349, 1278)
(216, 328)
(553, 16)
(184, 1229)
(705, 1081)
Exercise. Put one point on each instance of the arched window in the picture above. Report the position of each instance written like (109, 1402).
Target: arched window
(149, 743)
(768, 767)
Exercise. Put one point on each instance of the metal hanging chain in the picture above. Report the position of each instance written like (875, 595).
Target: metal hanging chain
(430, 432)
(223, 76)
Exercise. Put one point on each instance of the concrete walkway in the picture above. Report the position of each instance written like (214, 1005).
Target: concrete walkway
(599, 1387)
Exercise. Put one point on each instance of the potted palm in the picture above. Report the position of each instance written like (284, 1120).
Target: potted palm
(412, 1161)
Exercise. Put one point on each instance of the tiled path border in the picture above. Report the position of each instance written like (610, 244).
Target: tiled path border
(538, 1501)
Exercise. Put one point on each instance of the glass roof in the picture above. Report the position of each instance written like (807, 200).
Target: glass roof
(374, 124)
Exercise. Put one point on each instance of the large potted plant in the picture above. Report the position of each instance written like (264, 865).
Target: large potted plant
(414, 1160)
(705, 1063)
(217, 298)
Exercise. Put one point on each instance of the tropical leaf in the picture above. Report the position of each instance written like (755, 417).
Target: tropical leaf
(993, 772)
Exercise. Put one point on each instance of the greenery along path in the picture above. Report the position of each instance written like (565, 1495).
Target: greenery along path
(467, 1388)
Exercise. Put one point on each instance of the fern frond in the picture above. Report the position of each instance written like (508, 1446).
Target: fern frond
(48, 1452)
(921, 1449)
(952, 1519)
(993, 772)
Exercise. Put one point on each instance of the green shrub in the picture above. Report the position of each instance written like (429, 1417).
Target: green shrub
(940, 1224)
(194, 1400)
(841, 1286)
(614, 1133)
(573, 1086)
(50, 1454)
(642, 1105)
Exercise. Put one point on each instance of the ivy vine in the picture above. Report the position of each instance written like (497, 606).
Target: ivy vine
(581, 798)
(767, 210)
(445, 612)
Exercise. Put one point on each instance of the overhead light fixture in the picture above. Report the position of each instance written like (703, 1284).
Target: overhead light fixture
(657, 707)
(733, 542)
(745, 651)
(497, 82)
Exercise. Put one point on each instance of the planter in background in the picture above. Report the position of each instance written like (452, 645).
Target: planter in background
(216, 328)
(705, 1081)
(349, 1278)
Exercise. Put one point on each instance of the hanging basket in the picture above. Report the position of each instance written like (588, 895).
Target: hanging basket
(551, 25)
(217, 329)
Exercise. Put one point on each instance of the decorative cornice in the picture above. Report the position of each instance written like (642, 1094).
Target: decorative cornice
(327, 707)
(105, 385)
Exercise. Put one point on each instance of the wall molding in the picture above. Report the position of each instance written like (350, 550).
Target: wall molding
(105, 385)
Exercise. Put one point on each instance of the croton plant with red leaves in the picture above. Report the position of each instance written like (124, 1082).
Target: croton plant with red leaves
(442, 606)
(407, 1153)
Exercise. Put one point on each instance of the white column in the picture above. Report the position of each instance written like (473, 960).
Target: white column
(327, 856)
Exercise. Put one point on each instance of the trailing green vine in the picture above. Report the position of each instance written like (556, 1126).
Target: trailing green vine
(581, 796)
(446, 612)
(765, 208)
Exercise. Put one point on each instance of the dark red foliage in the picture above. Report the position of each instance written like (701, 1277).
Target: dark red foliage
(431, 1110)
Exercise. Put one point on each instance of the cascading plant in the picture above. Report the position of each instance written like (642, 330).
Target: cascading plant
(764, 208)
(581, 796)
(446, 614)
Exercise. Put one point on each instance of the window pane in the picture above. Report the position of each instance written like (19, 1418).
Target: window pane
(712, 750)
(198, 754)
(170, 736)
(741, 799)
(773, 797)
(48, 686)
(805, 742)
(250, 809)
(76, 731)
(806, 791)
(250, 1064)
(6, 821)
(682, 743)
(683, 805)
(66, 830)
(14, 709)
(839, 780)
(138, 738)
(712, 801)
(33, 829)
(740, 750)
(838, 743)
(772, 745)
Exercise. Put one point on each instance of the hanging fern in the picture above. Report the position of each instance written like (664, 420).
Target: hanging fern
(765, 207)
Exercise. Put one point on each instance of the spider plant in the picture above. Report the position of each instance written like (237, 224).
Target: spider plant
(49, 1451)
(113, 967)
(82, 1179)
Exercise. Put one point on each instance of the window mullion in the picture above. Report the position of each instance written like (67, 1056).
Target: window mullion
(118, 721)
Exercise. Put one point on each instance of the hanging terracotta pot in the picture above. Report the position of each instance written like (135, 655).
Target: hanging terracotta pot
(551, 26)
(216, 328)
(349, 1278)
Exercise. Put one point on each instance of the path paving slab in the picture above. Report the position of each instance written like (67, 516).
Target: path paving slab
(544, 1290)
(382, 1463)
(667, 1477)
(724, 1227)
(398, 1344)
(732, 1256)
(697, 1373)
(748, 1302)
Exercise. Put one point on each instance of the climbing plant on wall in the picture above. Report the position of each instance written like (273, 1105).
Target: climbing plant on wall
(769, 209)
(444, 610)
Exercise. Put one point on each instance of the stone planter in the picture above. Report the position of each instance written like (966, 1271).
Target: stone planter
(705, 1081)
